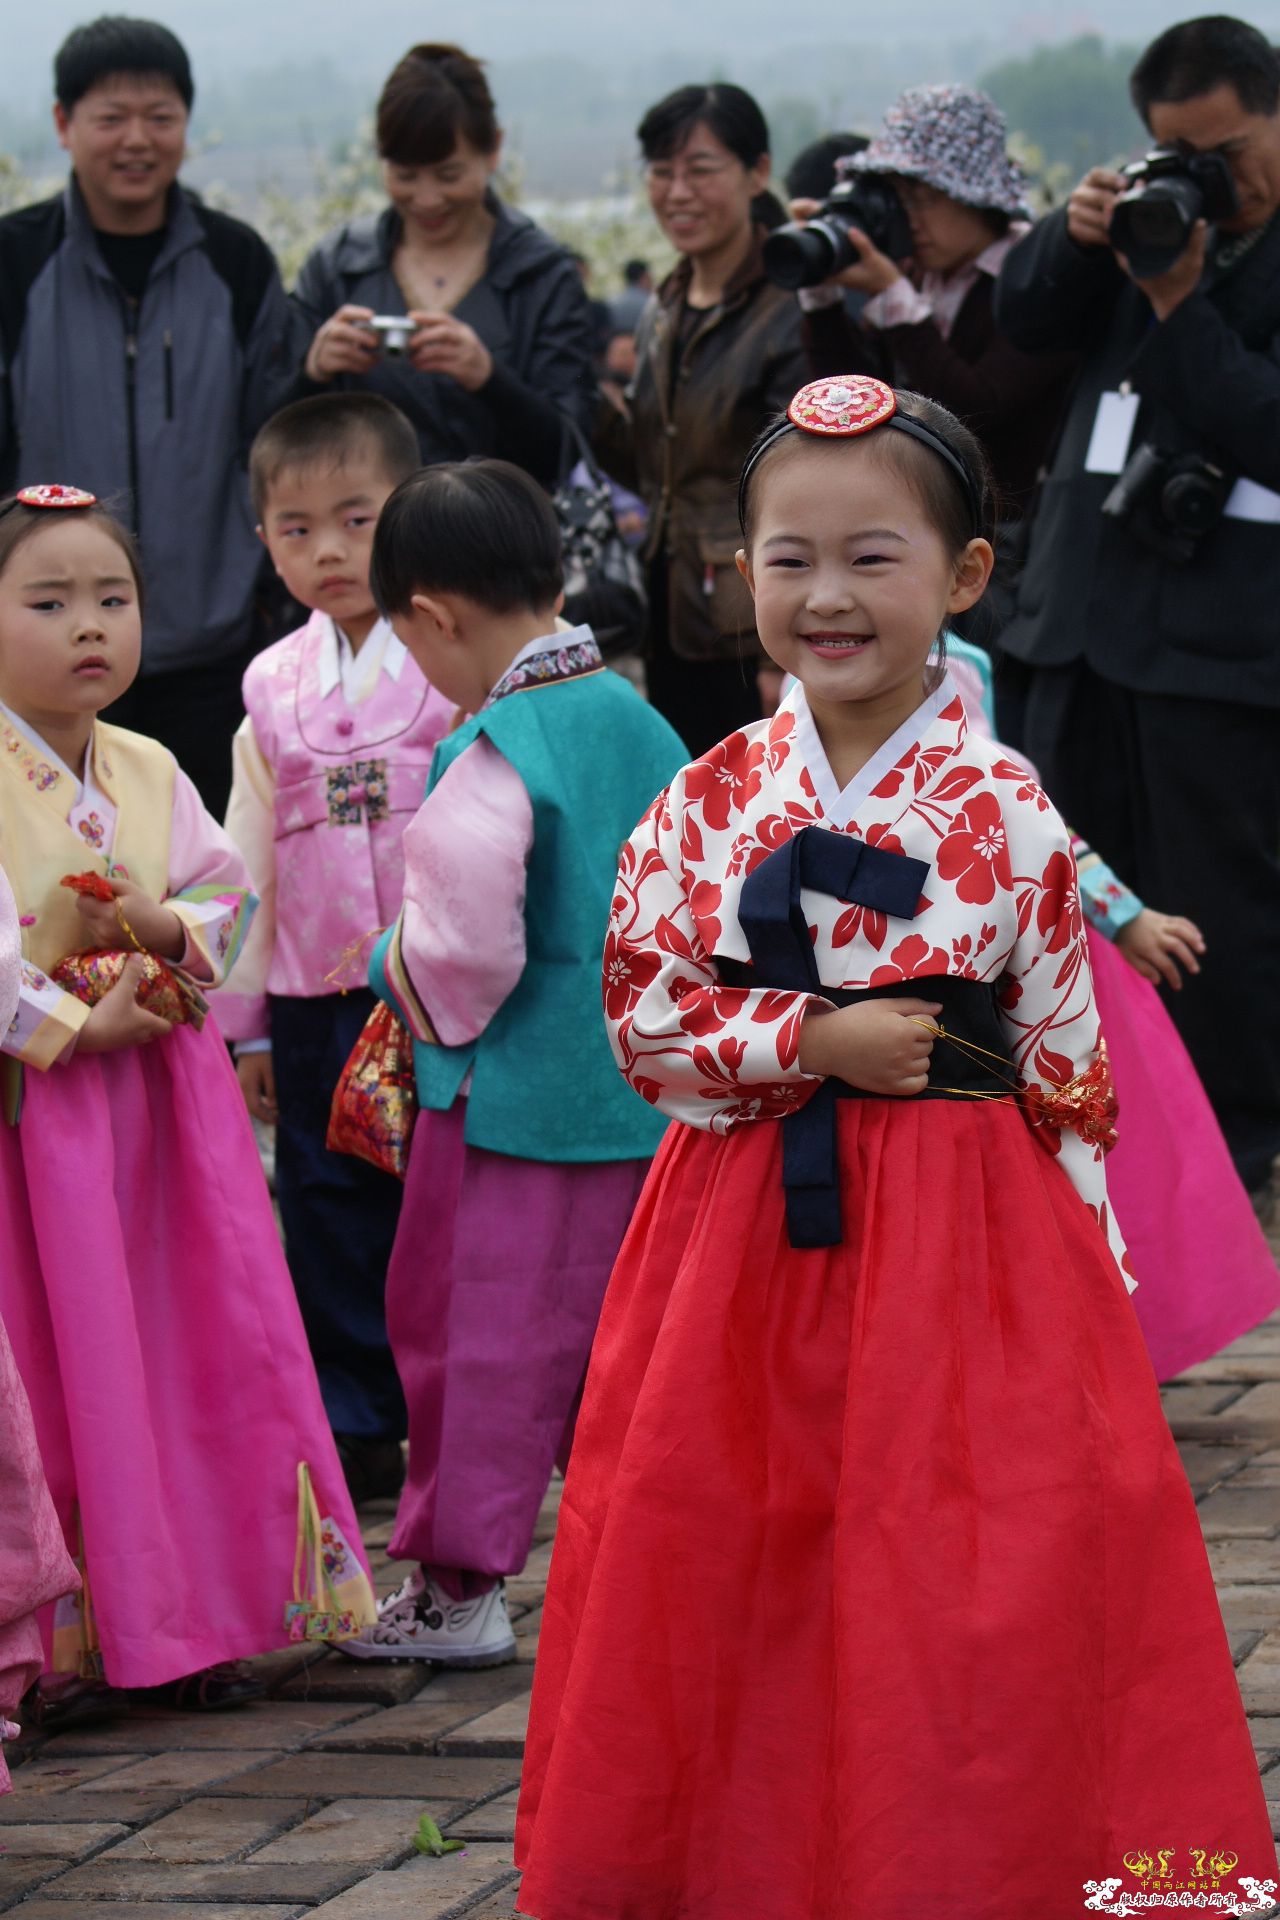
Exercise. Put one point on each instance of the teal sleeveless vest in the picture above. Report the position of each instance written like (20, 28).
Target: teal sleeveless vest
(593, 756)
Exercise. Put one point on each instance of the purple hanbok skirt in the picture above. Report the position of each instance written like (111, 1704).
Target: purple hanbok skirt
(493, 1293)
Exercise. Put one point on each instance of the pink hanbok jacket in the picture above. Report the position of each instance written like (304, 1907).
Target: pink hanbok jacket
(330, 768)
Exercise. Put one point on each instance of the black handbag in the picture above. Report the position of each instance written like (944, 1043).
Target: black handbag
(603, 577)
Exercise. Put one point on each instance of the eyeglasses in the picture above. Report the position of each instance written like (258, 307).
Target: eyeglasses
(663, 174)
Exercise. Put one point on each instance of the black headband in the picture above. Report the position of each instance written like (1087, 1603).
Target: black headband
(847, 409)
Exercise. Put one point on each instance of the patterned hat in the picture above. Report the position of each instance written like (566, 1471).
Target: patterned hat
(952, 138)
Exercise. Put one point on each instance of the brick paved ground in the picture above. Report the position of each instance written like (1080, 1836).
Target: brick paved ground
(306, 1804)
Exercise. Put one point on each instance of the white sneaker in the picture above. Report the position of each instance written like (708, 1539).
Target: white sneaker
(420, 1622)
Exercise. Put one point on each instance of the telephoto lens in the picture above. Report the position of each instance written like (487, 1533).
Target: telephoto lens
(805, 253)
(1151, 224)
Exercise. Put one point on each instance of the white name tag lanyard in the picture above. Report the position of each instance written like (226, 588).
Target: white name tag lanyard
(1112, 436)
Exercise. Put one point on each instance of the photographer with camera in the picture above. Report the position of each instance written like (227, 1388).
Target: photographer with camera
(1147, 612)
(919, 224)
(451, 304)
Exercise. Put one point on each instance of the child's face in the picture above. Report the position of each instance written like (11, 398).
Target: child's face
(318, 525)
(70, 626)
(852, 581)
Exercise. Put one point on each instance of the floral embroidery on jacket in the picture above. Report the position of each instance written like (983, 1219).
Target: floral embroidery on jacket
(1000, 905)
(357, 792)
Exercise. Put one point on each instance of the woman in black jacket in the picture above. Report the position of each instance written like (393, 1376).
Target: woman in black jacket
(500, 346)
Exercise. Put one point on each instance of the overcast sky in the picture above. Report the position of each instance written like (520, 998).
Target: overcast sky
(224, 34)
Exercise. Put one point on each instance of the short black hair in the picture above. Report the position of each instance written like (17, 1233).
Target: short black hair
(434, 97)
(1198, 55)
(116, 44)
(945, 500)
(481, 528)
(729, 112)
(812, 173)
(634, 271)
(18, 522)
(330, 426)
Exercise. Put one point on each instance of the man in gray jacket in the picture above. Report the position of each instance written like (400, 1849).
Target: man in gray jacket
(143, 341)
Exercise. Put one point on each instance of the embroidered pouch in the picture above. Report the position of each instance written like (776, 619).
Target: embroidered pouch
(376, 1101)
(91, 975)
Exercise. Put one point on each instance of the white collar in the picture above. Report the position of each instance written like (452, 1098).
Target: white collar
(561, 635)
(28, 732)
(992, 258)
(840, 804)
(357, 673)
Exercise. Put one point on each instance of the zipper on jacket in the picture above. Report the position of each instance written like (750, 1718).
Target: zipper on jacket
(168, 374)
(131, 408)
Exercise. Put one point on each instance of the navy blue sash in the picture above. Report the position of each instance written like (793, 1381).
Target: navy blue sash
(777, 936)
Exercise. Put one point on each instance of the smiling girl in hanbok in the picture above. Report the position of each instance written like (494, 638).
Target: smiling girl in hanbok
(878, 1588)
(142, 1282)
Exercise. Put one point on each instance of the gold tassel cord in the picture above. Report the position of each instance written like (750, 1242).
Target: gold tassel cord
(1085, 1103)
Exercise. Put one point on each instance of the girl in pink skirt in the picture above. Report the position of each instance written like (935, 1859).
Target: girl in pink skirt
(142, 1284)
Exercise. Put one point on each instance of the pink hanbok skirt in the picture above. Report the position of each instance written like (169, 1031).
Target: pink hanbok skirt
(35, 1567)
(155, 1325)
(1205, 1273)
(493, 1294)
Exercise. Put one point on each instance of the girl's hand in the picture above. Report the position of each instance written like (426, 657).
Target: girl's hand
(878, 1045)
(157, 928)
(257, 1079)
(445, 345)
(118, 1021)
(343, 344)
(1154, 944)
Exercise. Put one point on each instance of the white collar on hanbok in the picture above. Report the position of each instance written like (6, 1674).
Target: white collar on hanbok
(86, 790)
(357, 673)
(840, 804)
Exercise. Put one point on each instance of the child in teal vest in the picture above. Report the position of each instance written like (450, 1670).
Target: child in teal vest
(529, 1151)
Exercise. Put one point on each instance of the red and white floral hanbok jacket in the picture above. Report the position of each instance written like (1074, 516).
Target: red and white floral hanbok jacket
(1000, 904)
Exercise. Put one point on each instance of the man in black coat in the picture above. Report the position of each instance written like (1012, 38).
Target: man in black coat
(1152, 654)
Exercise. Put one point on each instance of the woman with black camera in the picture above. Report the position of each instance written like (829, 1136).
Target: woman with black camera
(928, 322)
(496, 345)
(718, 351)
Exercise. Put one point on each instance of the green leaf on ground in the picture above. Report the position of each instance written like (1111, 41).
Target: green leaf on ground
(429, 1839)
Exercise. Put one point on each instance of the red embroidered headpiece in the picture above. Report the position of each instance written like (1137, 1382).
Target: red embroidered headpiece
(55, 496)
(844, 407)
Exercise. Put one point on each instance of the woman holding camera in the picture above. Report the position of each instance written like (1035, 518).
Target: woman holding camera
(928, 322)
(718, 351)
(499, 344)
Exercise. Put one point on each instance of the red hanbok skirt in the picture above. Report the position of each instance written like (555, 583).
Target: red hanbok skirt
(878, 1588)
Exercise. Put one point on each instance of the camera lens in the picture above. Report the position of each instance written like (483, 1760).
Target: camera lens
(1191, 502)
(804, 256)
(1152, 225)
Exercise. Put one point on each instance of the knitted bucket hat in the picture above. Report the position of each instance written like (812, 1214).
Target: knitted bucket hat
(953, 138)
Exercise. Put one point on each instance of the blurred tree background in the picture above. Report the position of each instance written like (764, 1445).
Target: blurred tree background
(1067, 107)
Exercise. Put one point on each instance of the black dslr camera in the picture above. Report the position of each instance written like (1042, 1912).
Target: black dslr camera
(1151, 224)
(805, 253)
(1169, 501)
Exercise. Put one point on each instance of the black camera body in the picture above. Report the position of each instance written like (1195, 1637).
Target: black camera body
(1151, 224)
(805, 253)
(1169, 501)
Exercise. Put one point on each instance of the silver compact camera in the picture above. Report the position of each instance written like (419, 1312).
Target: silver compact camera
(394, 331)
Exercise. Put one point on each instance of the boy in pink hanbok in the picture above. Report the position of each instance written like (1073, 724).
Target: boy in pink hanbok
(528, 1152)
(330, 765)
(142, 1284)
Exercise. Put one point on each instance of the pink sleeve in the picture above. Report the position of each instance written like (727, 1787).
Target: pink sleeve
(462, 937)
(209, 887)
